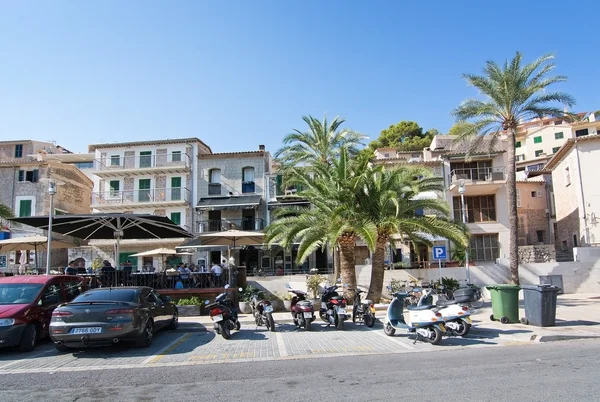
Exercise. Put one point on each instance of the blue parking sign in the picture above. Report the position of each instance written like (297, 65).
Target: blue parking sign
(439, 252)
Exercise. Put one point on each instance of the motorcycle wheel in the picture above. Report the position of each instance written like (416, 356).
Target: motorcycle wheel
(464, 329)
(339, 324)
(369, 320)
(225, 331)
(307, 324)
(354, 308)
(323, 316)
(434, 338)
(270, 323)
(388, 329)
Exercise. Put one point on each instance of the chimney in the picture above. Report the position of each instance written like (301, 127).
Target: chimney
(261, 147)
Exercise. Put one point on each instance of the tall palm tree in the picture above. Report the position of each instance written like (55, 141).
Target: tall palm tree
(389, 199)
(514, 93)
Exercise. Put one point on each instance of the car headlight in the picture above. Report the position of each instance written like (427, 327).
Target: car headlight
(7, 322)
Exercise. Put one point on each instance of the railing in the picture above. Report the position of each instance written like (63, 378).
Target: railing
(478, 174)
(214, 188)
(248, 187)
(171, 160)
(151, 195)
(220, 225)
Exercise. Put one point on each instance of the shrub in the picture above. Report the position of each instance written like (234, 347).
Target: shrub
(450, 284)
(313, 284)
(191, 301)
(247, 293)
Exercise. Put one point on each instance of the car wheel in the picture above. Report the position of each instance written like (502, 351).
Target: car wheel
(61, 348)
(145, 339)
(28, 339)
(175, 320)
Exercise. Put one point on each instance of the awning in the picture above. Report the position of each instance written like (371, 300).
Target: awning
(241, 202)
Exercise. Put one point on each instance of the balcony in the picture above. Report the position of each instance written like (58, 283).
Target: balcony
(139, 165)
(214, 188)
(156, 197)
(478, 181)
(220, 225)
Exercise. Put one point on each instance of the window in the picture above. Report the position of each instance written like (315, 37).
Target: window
(175, 188)
(559, 135)
(146, 159)
(176, 156)
(386, 155)
(567, 176)
(539, 152)
(419, 212)
(84, 165)
(214, 182)
(479, 170)
(518, 198)
(144, 190)
(479, 209)
(537, 140)
(176, 217)
(19, 151)
(536, 194)
(60, 212)
(248, 180)
(521, 157)
(540, 235)
(581, 133)
(52, 295)
(102, 294)
(25, 208)
(115, 160)
(558, 123)
(484, 247)
(518, 144)
(29, 175)
(555, 150)
(114, 187)
(72, 289)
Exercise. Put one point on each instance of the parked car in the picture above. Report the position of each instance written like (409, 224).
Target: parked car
(109, 315)
(27, 303)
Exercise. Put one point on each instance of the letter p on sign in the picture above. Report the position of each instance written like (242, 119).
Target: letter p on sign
(439, 252)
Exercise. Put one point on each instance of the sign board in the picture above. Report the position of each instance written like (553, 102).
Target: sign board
(439, 252)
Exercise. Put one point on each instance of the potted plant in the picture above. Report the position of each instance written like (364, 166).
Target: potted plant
(313, 285)
(245, 298)
(458, 256)
(287, 301)
(275, 301)
(191, 306)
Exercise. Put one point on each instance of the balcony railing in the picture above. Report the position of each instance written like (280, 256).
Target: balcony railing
(478, 174)
(172, 160)
(248, 187)
(220, 225)
(214, 188)
(150, 196)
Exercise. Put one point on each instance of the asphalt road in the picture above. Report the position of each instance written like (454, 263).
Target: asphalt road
(555, 371)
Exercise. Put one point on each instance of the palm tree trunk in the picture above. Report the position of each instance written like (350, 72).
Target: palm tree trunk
(377, 270)
(348, 264)
(336, 262)
(513, 219)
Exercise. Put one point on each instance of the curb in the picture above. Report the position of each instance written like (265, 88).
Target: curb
(558, 338)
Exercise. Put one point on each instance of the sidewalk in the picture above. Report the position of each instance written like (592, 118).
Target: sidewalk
(577, 317)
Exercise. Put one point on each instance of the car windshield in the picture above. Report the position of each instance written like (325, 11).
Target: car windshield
(19, 293)
(124, 295)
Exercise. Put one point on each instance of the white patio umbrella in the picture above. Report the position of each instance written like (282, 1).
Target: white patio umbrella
(32, 243)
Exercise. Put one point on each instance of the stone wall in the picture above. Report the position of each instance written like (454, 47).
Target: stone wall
(540, 253)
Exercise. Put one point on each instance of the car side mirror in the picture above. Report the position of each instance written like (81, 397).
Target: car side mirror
(207, 302)
(166, 298)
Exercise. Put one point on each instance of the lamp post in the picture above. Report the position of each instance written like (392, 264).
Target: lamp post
(461, 191)
(51, 191)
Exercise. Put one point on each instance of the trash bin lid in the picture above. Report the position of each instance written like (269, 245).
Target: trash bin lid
(503, 287)
(542, 287)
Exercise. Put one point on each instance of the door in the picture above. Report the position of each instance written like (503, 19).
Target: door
(146, 159)
(124, 257)
(175, 188)
(215, 258)
(214, 221)
(248, 219)
(144, 190)
(52, 296)
(155, 306)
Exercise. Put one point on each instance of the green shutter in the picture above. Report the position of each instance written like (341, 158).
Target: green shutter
(34, 176)
(176, 217)
(537, 140)
(175, 182)
(21, 175)
(518, 144)
(279, 185)
(24, 208)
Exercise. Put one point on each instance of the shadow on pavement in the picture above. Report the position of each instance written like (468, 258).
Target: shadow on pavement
(467, 341)
(575, 323)
(492, 333)
(246, 335)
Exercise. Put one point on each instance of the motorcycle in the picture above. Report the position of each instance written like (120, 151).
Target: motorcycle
(363, 310)
(333, 307)
(223, 314)
(456, 316)
(303, 311)
(262, 311)
(424, 320)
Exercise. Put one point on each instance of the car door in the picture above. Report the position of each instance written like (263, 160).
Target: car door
(72, 288)
(168, 308)
(156, 307)
(51, 297)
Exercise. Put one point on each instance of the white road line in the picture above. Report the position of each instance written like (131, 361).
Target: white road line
(163, 350)
(35, 356)
(396, 341)
(282, 350)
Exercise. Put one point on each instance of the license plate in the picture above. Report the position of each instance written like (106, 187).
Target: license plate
(442, 327)
(341, 311)
(307, 315)
(268, 309)
(468, 320)
(89, 330)
(218, 318)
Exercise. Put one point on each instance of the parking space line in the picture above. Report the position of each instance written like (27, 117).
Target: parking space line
(167, 349)
(282, 350)
(20, 360)
(396, 341)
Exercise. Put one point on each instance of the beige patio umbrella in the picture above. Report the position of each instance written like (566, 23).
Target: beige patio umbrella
(159, 252)
(32, 243)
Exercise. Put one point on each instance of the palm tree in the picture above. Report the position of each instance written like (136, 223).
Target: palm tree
(514, 93)
(389, 199)
(331, 220)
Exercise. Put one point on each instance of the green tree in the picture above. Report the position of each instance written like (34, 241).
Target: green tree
(5, 212)
(458, 128)
(388, 198)
(404, 136)
(513, 93)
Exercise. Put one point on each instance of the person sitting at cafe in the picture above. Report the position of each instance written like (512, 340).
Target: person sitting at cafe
(127, 267)
(81, 268)
(107, 267)
(216, 271)
(71, 270)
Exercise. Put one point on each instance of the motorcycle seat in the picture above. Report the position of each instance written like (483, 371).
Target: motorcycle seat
(423, 307)
(445, 302)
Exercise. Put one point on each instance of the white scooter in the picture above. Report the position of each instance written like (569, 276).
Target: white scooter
(457, 317)
(424, 320)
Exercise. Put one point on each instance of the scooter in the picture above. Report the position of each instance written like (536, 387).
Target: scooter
(457, 317)
(363, 310)
(262, 311)
(303, 311)
(223, 314)
(333, 307)
(425, 320)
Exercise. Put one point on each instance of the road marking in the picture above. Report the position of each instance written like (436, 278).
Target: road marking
(396, 341)
(282, 350)
(167, 349)
(35, 356)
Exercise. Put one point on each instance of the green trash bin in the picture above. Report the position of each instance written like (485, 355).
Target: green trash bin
(505, 303)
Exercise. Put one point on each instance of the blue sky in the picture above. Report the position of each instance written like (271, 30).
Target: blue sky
(237, 74)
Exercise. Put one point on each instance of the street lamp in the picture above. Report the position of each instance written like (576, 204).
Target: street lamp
(461, 191)
(51, 191)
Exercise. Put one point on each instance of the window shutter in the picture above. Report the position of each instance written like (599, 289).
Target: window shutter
(21, 175)
(34, 176)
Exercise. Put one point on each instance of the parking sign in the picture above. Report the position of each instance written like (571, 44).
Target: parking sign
(439, 252)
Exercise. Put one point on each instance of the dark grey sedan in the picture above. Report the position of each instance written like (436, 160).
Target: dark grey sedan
(110, 315)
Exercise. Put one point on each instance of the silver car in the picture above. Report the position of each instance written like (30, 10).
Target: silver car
(110, 315)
